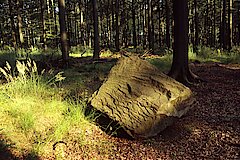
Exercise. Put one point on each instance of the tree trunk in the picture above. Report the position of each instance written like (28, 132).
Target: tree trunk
(180, 69)
(42, 4)
(108, 25)
(117, 27)
(19, 17)
(168, 39)
(230, 25)
(159, 25)
(1, 37)
(144, 23)
(238, 26)
(223, 34)
(214, 23)
(113, 23)
(96, 34)
(63, 31)
(13, 28)
(134, 25)
(150, 36)
(152, 27)
(196, 26)
(206, 25)
(55, 24)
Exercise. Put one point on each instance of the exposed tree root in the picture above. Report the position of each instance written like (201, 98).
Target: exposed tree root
(186, 76)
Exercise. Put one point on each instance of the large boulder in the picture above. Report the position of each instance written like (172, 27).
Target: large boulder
(141, 98)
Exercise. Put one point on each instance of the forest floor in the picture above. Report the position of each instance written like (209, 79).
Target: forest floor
(210, 130)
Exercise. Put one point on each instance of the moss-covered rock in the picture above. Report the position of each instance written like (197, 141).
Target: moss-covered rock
(141, 98)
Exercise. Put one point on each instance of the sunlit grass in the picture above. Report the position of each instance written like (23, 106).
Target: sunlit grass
(34, 114)
(80, 51)
(207, 54)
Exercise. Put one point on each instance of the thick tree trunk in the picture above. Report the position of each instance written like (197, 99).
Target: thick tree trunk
(63, 31)
(96, 34)
(180, 69)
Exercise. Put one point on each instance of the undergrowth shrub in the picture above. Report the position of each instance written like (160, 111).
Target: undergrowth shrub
(205, 52)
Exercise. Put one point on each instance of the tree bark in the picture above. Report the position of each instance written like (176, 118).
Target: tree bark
(180, 69)
(230, 25)
(42, 4)
(19, 17)
(134, 25)
(223, 33)
(168, 39)
(238, 26)
(13, 28)
(113, 23)
(150, 36)
(159, 25)
(96, 31)
(117, 27)
(63, 31)
(214, 23)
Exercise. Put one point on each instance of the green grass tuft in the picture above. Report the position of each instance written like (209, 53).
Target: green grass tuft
(33, 113)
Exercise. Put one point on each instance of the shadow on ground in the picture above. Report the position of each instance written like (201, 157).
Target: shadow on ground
(7, 153)
(107, 125)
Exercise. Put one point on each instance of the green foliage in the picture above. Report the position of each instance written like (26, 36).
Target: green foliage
(206, 54)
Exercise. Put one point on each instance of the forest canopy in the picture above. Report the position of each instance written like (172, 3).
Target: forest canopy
(146, 24)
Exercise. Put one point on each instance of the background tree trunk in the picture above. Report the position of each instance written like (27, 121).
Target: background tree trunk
(223, 33)
(13, 28)
(117, 27)
(230, 25)
(42, 5)
(63, 31)
(150, 36)
(168, 38)
(134, 25)
(19, 17)
(96, 32)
